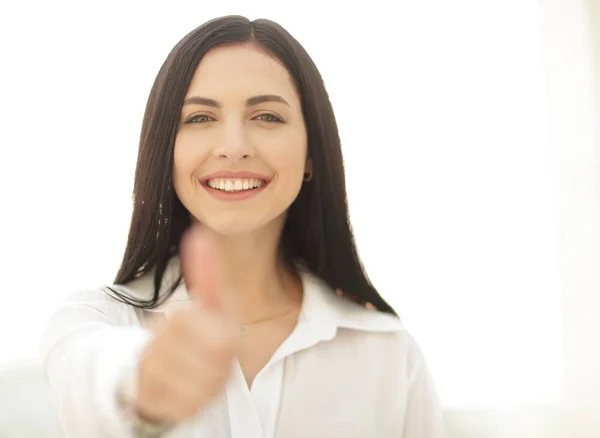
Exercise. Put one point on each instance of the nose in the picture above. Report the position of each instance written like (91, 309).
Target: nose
(235, 145)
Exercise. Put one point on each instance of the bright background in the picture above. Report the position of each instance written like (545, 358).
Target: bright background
(469, 131)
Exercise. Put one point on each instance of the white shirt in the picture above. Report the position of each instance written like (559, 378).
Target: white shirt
(344, 371)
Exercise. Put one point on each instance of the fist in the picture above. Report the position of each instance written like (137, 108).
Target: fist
(188, 361)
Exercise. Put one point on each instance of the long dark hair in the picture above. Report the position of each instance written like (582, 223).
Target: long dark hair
(317, 231)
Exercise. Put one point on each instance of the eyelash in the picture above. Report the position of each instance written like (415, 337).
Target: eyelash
(272, 118)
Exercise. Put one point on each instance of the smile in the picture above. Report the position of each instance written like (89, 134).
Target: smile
(235, 187)
(235, 184)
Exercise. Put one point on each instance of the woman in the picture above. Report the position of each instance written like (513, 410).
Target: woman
(241, 308)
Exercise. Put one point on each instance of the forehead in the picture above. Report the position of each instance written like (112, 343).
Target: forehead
(240, 71)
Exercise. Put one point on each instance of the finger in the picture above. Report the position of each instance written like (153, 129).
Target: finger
(200, 368)
(200, 266)
(175, 398)
(203, 334)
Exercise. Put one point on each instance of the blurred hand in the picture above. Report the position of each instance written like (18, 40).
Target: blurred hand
(189, 359)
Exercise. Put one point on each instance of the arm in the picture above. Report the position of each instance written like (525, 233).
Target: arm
(89, 344)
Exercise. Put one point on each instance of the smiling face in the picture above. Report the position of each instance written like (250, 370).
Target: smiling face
(241, 147)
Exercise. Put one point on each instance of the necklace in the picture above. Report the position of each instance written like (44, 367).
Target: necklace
(243, 329)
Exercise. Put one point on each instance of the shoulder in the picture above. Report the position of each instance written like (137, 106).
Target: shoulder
(323, 304)
(382, 336)
(138, 289)
(96, 303)
(380, 333)
(107, 301)
(393, 355)
(359, 326)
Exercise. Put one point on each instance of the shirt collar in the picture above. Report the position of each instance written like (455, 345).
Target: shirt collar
(322, 305)
(322, 308)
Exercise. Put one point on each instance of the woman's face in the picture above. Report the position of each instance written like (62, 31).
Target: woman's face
(241, 146)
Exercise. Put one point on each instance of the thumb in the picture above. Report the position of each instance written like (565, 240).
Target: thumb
(201, 266)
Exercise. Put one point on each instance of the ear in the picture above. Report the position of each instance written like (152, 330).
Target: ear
(308, 167)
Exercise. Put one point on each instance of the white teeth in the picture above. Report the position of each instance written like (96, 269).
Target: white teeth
(235, 185)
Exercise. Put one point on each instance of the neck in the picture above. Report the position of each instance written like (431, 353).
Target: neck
(258, 284)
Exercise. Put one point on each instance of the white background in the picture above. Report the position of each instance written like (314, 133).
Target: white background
(444, 121)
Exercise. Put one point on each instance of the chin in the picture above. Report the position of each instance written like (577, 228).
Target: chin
(232, 229)
(243, 224)
(238, 224)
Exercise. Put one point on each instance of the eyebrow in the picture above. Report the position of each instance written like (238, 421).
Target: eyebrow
(255, 100)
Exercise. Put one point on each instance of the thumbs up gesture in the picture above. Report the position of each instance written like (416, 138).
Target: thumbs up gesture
(188, 361)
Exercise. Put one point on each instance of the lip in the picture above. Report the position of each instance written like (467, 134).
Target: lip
(235, 174)
(234, 196)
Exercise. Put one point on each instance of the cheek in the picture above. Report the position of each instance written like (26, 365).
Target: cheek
(187, 157)
(287, 157)
(289, 168)
(294, 167)
(289, 165)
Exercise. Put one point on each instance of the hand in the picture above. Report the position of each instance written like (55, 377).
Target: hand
(189, 359)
